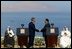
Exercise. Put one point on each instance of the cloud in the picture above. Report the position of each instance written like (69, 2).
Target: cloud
(21, 6)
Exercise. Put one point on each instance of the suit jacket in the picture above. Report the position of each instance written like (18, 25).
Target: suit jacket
(45, 28)
(32, 29)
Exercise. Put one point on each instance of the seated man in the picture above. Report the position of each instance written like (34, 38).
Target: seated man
(9, 38)
(65, 40)
(65, 29)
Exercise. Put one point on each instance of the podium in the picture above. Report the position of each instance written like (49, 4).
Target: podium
(52, 34)
(22, 36)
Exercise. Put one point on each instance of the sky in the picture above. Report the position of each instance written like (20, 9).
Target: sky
(36, 6)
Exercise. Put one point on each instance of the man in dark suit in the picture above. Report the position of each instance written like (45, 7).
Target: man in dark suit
(32, 30)
(47, 25)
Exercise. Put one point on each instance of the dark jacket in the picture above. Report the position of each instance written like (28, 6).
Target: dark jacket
(32, 29)
(45, 28)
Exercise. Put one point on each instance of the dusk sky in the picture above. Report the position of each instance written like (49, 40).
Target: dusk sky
(36, 6)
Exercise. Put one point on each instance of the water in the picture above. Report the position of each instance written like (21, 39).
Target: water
(15, 19)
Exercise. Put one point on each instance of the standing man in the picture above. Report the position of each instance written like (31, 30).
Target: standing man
(47, 25)
(32, 30)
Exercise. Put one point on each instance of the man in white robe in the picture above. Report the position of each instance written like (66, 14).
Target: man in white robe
(65, 39)
(65, 29)
(10, 32)
(9, 38)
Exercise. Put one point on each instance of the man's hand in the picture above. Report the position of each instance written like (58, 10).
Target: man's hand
(39, 30)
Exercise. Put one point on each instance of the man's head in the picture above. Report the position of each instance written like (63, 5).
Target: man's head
(33, 20)
(9, 28)
(46, 21)
(65, 28)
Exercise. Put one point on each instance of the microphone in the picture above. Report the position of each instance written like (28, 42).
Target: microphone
(22, 25)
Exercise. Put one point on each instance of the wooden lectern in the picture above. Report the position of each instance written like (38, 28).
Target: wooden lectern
(52, 34)
(22, 36)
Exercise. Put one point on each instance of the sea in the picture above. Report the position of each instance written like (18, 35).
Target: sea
(15, 19)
